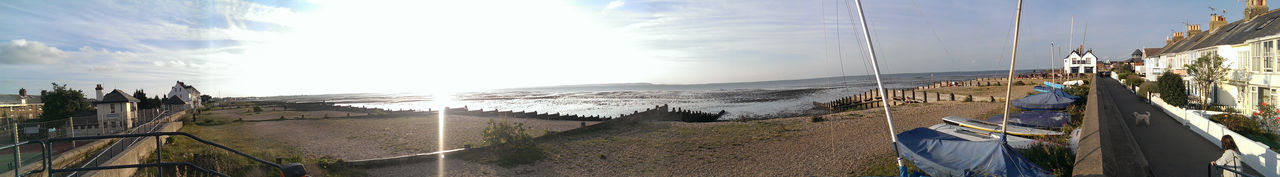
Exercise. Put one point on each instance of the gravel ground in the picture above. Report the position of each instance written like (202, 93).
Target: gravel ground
(272, 113)
(776, 147)
(366, 138)
(984, 93)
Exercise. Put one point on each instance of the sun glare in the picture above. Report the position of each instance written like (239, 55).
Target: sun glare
(463, 45)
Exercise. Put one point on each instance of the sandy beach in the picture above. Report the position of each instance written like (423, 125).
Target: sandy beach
(365, 138)
(787, 147)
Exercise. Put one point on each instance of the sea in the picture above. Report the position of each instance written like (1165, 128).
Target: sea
(764, 99)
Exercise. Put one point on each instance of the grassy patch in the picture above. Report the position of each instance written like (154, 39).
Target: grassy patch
(1057, 158)
(883, 165)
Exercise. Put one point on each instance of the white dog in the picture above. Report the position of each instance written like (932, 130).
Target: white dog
(1140, 118)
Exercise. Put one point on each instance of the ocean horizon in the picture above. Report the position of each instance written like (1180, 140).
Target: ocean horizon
(760, 99)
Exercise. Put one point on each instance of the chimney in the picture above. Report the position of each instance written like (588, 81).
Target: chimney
(1168, 40)
(99, 89)
(1255, 8)
(1177, 37)
(1216, 22)
(22, 96)
(1193, 29)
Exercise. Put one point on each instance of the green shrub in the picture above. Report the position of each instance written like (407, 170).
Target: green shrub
(1019, 83)
(511, 142)
(1056, 158)
(816, 119)
(1133, 80)
(1239, 123)
(1147, 88)
(1172, 89)
(257, 109)
(968, 99)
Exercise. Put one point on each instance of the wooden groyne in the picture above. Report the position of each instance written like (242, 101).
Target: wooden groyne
(659, 112)
(871, 98)
(666, 113)
(524, 114)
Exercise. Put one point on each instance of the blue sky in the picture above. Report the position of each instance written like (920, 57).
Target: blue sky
(259, 48)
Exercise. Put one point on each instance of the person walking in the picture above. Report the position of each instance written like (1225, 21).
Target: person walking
(1230, 158)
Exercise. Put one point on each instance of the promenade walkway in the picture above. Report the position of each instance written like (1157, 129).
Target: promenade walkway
(1169, 148)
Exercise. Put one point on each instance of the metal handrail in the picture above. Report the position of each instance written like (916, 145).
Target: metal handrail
(153, 134)
(152, 122)
(1237, 172)
(48, 166)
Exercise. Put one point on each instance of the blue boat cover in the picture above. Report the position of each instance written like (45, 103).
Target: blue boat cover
(1043, 101)
(1065, 94)
(1051, 84)
(939, 154)
(1036, 119)
(1041, 89)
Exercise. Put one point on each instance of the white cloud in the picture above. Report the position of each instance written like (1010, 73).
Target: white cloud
(613, 5)
(22, 51)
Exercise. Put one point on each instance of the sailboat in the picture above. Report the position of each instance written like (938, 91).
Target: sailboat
(941, 154)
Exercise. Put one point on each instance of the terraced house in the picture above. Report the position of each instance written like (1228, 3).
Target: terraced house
(1249, 47)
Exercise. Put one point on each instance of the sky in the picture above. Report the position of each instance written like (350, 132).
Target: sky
(230, 48)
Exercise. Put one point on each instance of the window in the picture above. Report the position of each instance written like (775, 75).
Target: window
(113, 108)
(1266, 51)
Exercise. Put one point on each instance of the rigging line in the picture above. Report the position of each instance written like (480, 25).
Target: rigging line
(880, 85)
(840, 49)
(935, 31)
(1013, 59)
(826, 51)
(826, 54)
(865, 63)
(1006, 37)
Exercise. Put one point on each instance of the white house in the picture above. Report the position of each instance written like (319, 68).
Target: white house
(1249, 46)
(1077, 62)
(1152, 67)
(188, 94)
(116, 110)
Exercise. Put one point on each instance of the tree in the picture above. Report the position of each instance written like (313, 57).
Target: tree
(1206, 71)
(143, 101)
(1172, 90)
(206, 99)
(62, 102)
(1133, 80)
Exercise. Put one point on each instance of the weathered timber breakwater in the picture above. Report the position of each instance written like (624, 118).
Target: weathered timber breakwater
(660, 112)
(871, 98)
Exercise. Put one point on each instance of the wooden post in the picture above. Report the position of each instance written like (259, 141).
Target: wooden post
(926, 96)
(953, 96)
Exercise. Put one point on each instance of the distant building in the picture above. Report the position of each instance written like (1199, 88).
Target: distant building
(187, 94)
(1152, 67)
(27, 106)
(116, 110)
(1077, 62)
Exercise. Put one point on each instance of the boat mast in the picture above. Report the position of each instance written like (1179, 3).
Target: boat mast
(879, 83)
(1008, 92)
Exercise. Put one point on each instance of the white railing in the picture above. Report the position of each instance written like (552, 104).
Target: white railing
(1255, 154)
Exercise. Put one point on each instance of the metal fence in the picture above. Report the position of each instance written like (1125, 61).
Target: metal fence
(30, 130)
(153, 123)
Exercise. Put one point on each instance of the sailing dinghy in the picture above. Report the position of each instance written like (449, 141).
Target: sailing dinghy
(995, 127)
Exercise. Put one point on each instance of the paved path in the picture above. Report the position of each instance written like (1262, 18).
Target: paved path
(1170, 148)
